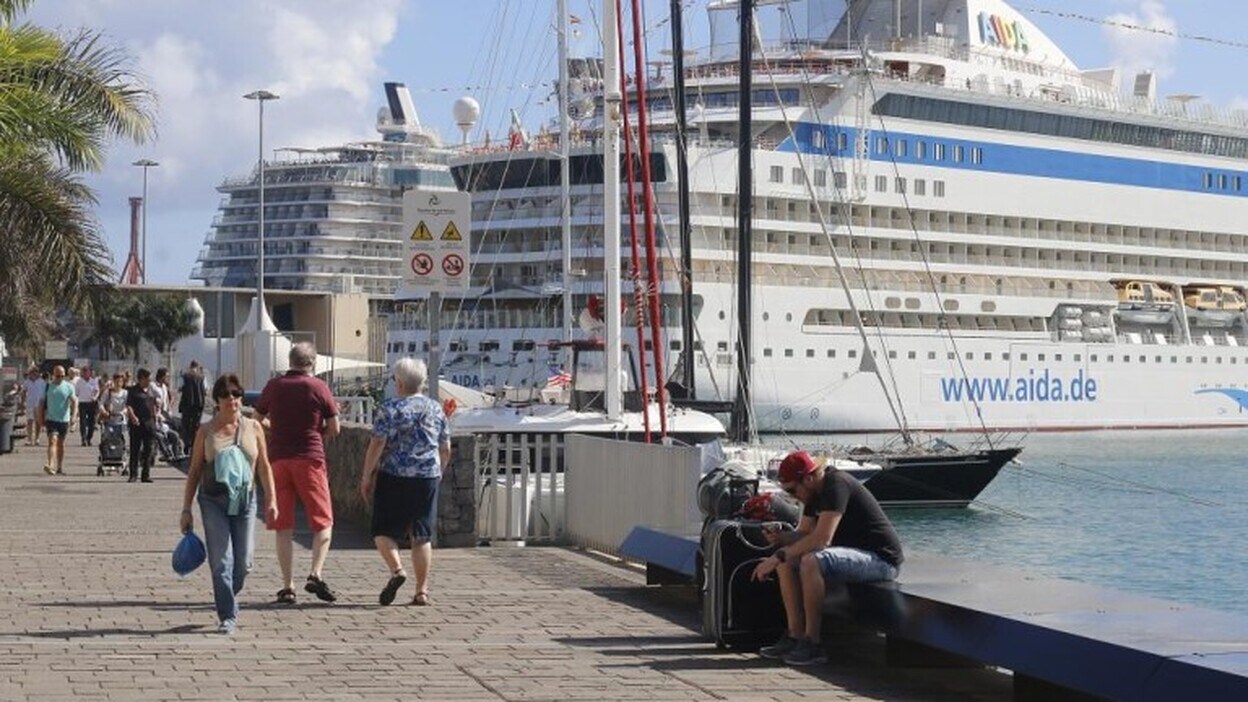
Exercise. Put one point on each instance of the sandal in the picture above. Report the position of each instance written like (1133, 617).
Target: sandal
(421, 600)
(317, 587)
(392, 588)
(286, 596)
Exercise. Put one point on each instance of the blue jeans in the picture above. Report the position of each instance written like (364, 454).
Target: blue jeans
(229, 541)
(852, 565)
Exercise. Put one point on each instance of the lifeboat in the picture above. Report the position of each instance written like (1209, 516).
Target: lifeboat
(1144, 302)
(1210, 306)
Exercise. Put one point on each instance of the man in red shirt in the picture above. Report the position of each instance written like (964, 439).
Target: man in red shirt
(301, 413)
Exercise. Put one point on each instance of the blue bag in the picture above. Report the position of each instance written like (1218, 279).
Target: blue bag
(189, 554)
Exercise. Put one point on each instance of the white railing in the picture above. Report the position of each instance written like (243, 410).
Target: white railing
(613, 486)
(521, 484)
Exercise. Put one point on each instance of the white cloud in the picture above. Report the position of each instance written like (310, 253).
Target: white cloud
(1136, 50)
(321, 56)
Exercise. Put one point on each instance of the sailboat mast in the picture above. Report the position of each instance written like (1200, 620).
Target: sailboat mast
(742, 428)
(612, 99)
(565, 197)
(682, 177)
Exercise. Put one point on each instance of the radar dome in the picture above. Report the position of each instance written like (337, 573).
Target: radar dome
(466, 111)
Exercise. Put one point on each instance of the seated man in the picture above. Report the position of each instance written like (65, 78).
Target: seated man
(843, 536)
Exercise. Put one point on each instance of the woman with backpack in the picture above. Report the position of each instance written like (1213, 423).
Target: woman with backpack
(227, 456)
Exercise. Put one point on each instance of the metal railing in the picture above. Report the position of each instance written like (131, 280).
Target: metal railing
(521, 488)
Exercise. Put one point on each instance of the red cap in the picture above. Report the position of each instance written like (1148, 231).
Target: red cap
(795, 466)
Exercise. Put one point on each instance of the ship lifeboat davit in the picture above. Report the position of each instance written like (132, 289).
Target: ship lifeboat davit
(1209, 306)
(1144, 302)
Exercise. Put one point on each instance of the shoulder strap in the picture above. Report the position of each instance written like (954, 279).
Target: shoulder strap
(238, 431)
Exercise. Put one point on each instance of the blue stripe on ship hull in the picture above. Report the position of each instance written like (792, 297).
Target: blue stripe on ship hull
(1028, 161)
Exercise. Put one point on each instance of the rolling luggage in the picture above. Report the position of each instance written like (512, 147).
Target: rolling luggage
(737, 611)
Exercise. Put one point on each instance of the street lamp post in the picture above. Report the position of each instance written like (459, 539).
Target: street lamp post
(260, 96)
(144, 163)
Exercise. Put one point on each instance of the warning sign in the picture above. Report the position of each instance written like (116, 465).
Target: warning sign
(422, 233)
(440, 229)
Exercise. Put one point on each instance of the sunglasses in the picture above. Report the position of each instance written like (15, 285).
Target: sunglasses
(791, 490)
(230, 393)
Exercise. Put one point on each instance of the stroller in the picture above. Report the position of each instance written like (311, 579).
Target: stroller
(112, 449)
(169, 442)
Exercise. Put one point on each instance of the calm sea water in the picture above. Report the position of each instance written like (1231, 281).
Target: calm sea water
(1163, 513)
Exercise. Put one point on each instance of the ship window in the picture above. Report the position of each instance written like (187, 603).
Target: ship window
(950, 305)
(1094, 358)
(424, 347)
(766, 353)
(411, 348)
(831, 353)
(721, 314)
(853, 353)
(920, 186)
(1239, 181)
(675, 345)
(648, 345)
(523, 345)
(788, 353)
(950, 356)
(839, 179)
(988, 306)
(970, 356)
(881, 184)
(1079, 358)
(901, 186)
(1005, 357)
(1174, 359)
(810, 353)
(1022, 357)
(1208, 181)
(958, 153)
(1189, 359)
(881, 145)
(988, 357)
(1057, 357)
(788, 316)
(1126, 358)
(821, 178)
(1222, 181)
(920, 149)
(938, 188)
(721, 346)
(1204, 359)
(977, 155)
(900, 149)
(940, 152)
(911, 355)
(697, 346)
(1109, 358)
(842, 141)
(766, 316)
(816, 138)
(892, 354)
(931, 355)
(777, 174)
(892, 303)
(799, 176)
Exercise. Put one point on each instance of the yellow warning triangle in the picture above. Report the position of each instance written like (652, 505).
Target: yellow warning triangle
(422, 233)
(451, 233)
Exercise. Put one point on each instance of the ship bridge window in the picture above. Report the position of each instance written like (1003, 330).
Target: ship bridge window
(523, 345)
(900, 148)
(977, 155)
(821, 178)
(938, 188)
(901, 186)
(920, 150)
(817, 138)
(777, 174)
(940, 152)
(487, 346)
(958, 152)
(839, 179)
(920, 186)
(892, 303)
(881, 145)
(881, 184)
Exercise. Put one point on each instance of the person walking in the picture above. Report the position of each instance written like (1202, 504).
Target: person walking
(191, 402)
(301, 413)
(87, 388)
(32, 391)
(843, 536)
(227, 456)
(403, 466)
(112, 413)
(57, 410)
(141, 414)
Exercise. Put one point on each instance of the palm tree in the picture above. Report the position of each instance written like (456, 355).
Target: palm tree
(164, 320)
(62, 98)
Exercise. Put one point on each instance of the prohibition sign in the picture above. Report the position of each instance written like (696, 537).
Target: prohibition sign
(453, 265)
(422, 264)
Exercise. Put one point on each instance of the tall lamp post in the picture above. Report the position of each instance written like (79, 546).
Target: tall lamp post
(260, 96)
(144, 163)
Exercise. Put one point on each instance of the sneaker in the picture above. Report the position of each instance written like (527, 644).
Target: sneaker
(227, 626)
(779, 649)
(317, 587)
(392, 588)
(806, 653)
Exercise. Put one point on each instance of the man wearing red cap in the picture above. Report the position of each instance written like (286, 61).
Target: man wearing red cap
(843, 536)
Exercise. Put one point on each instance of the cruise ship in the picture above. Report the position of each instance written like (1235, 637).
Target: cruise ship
(333, 215)
(1029, 245)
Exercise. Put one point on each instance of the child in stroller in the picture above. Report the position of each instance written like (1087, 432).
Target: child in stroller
(112, 449)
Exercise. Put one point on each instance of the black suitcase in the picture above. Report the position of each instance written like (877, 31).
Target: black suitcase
(736, 610)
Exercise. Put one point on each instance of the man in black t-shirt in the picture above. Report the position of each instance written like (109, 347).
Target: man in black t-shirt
(141, 415)
(843, 536)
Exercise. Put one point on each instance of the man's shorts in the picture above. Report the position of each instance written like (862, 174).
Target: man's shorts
(307, 479)
(852, 565)
(57, 428)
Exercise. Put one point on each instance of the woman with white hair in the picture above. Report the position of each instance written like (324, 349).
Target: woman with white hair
(402, 468)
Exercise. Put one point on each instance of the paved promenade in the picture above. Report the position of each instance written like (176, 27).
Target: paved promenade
(92, 610)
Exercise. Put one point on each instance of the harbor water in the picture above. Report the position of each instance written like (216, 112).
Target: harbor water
(1161, 513)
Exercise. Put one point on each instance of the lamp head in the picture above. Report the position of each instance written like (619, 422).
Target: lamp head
(145, 163)
(261, 95)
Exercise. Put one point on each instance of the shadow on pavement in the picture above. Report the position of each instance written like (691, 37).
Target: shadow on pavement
(114, 631)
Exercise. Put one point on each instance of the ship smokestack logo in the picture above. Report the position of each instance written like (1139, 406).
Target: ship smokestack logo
(995, 30)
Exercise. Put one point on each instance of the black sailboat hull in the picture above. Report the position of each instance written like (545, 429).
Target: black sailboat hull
(933, 479)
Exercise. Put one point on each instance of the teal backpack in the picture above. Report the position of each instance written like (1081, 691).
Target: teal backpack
(233, 470)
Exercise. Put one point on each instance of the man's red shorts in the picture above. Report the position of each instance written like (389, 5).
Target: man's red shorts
(307, 479)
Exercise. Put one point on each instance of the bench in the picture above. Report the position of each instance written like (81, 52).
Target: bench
(1060, 638)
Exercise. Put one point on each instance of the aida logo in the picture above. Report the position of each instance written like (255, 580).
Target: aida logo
(995, 30)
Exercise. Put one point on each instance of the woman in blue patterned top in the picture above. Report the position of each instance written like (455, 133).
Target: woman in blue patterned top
(402, 468)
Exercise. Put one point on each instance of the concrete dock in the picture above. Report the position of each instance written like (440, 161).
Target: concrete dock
(92, 610)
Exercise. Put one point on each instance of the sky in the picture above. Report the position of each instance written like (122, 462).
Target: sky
(327, 59)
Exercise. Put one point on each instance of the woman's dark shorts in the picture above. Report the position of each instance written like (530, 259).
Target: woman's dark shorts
(405, 505)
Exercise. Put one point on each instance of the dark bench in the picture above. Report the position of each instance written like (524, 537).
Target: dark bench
(1059, 638)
